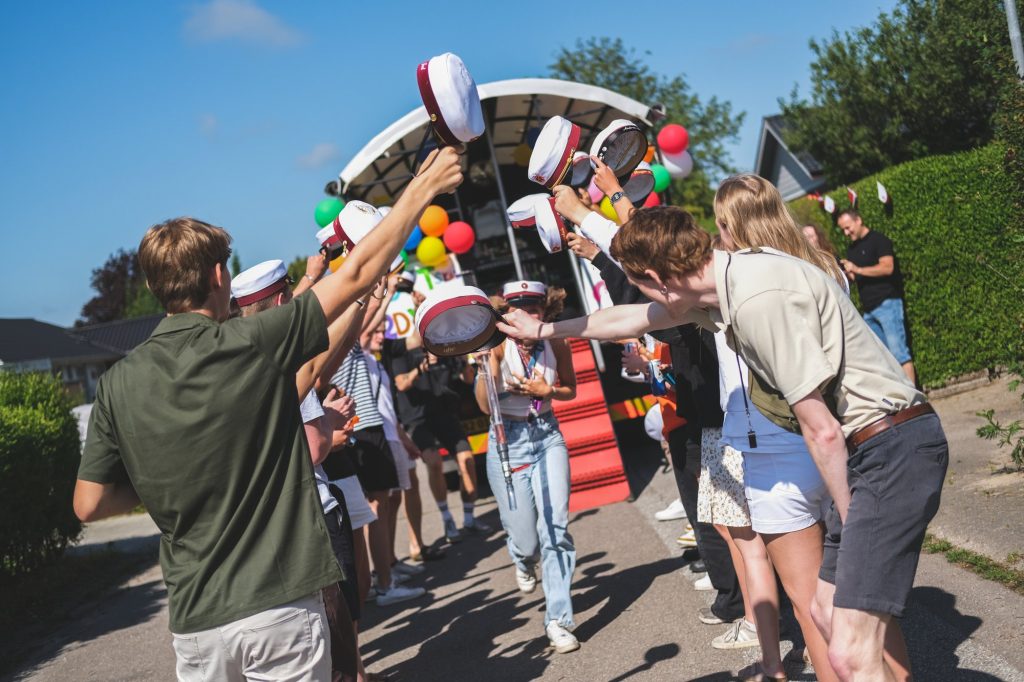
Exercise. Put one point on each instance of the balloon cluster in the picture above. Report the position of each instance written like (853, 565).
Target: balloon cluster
(435, 236)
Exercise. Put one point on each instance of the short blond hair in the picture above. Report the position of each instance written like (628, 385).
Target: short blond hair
(751, 209)
(177, 256)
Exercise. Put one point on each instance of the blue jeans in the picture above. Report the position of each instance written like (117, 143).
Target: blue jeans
(886, 321)
(539, 526)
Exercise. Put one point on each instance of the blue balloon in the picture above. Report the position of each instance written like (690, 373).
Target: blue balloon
(531, 136)
(414, 239)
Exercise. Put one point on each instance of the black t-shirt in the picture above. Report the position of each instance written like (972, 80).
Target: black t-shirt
(866, 252)
(431, 393)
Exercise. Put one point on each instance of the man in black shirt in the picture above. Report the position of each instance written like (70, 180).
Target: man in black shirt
(871, 263)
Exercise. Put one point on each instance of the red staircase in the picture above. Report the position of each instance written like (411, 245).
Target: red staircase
(594, 461)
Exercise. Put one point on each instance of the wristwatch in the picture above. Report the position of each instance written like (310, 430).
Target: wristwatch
(312, 280)
(618, 195)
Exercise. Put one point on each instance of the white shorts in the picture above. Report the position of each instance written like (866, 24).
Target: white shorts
(785, 492)
(359, 512)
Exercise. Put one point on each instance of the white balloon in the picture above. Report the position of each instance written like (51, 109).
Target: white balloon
(653, 423)
(678, 165)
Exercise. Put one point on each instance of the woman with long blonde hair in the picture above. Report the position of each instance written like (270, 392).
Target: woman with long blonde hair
(785, 494)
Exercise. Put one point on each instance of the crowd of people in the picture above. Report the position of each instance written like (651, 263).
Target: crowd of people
(803, 453)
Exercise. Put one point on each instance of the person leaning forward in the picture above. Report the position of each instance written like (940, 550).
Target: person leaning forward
(201, 424)
(878, 445)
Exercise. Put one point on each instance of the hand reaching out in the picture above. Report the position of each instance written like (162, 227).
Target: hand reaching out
(339, 408)
(568, 204)
(604, 178)
(581, 246)
(519, 325)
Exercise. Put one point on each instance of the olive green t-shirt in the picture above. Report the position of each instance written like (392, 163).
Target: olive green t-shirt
(798, 330)
(203, 419)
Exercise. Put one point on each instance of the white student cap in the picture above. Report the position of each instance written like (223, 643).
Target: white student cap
(640, 183)
(524, 291)
(553, 152)
(259, 282)
(523, 212)
(450, 97)
(550, 226)
(582, 171)
(455, 319)
(622, 146)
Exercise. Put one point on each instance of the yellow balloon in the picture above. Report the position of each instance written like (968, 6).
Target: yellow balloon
(608, 209)
(434, 221)
(431, 252)
(521, 155)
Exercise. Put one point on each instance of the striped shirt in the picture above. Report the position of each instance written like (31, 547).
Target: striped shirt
(353, 377)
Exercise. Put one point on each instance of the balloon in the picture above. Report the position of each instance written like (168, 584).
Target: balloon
(459, 237)
(652, 200)
(431, 252)
(678, 165)
(521, 155)
(414, 239)
(336, 263)
(662, 178)
(673, 139)
(608, 209)
(594, 192)
(531, 136)
(434, 221)
(327, 210)
(649, 156)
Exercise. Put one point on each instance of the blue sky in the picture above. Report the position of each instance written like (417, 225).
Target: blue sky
(117, 115)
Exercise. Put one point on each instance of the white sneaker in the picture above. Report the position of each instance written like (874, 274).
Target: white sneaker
(403, 568)
(526, 580)
(687, 539)
(398, 593)
(561, 639)
(673, 512)
(740, 635)
(703, 584)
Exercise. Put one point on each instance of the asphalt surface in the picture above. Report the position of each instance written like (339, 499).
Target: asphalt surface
(633, 596)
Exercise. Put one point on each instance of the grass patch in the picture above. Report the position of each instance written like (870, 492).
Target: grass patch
(32, 605)
(978, 564)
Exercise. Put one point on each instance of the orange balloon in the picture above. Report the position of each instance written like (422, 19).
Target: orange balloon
(434, 221)
(649, 156)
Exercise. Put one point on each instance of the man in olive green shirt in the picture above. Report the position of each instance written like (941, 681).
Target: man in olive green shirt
(201, 424)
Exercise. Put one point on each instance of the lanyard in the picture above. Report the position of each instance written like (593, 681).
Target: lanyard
(529, 365)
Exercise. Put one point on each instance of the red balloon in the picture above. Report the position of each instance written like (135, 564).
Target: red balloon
(459, 237)
(673, 138)
(652, 200)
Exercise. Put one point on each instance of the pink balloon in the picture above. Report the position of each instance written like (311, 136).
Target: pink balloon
(595, 193)
(673, 138)
(652, 200)
(459, 237)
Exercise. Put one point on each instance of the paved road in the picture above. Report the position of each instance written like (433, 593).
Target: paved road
(634, 601)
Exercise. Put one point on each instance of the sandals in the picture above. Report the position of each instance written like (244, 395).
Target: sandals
(755, 673)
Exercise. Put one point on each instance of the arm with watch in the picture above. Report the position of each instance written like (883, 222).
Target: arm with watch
(316, 266)
(606, 181)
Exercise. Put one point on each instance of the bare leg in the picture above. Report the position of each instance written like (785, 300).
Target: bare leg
(414, 514)
(896, 655)
(435, 474)
(857, 645)
(467, 475)
(797, 556)
(360, 540)
(394, 502)
(763, 596)
(380, 543)
(741, 573)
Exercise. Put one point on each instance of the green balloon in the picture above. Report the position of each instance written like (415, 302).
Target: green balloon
(661, 177)
(327, 210)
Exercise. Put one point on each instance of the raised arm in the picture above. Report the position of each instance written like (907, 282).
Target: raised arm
(339, 335)
(609, 324)
(441, 172)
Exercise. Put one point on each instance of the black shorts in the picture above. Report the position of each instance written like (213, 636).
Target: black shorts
(895, 482)
(440, 432)
(343, 543)
(374, 461)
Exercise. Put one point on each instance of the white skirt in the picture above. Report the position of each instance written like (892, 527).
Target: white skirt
(359, 512)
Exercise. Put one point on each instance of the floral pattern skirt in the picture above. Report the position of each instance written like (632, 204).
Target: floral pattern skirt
(721, 498)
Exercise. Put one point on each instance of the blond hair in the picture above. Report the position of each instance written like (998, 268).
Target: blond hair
(752, 211)
(177, 256)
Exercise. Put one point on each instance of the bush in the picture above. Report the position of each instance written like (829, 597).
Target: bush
(39, 455)
(959, 241)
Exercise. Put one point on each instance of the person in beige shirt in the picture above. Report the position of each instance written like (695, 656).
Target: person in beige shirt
(878, 445)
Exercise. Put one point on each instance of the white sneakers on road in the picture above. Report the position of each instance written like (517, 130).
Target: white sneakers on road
(561, 639)
(526, 580)
(673, 512)
(398, 593)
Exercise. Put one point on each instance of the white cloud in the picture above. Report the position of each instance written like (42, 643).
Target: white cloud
(239, 20)
(208, 124)
(320, 155)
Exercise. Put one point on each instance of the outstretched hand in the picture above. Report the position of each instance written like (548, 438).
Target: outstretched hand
(338, 408)
(581, 246)
(604, 178)
(441, 171)
(519, 325)
(568, 204)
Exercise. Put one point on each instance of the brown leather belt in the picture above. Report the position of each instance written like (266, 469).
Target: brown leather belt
(886, 423)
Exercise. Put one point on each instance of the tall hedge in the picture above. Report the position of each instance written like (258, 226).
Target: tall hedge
(957, 229)
(39, 455)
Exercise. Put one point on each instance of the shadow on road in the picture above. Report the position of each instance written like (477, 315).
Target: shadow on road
(934, 628)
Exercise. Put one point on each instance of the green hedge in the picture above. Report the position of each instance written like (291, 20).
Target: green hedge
(39, 455)
(959, 239)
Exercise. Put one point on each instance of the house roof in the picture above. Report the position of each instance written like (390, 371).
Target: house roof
(24, 339)
(773, 132)
(120, 335)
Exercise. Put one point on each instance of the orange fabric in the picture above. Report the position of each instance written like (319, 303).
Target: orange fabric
(670, 420)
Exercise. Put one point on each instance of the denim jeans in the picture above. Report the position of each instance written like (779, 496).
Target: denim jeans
(886, 321)
(539, 525)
